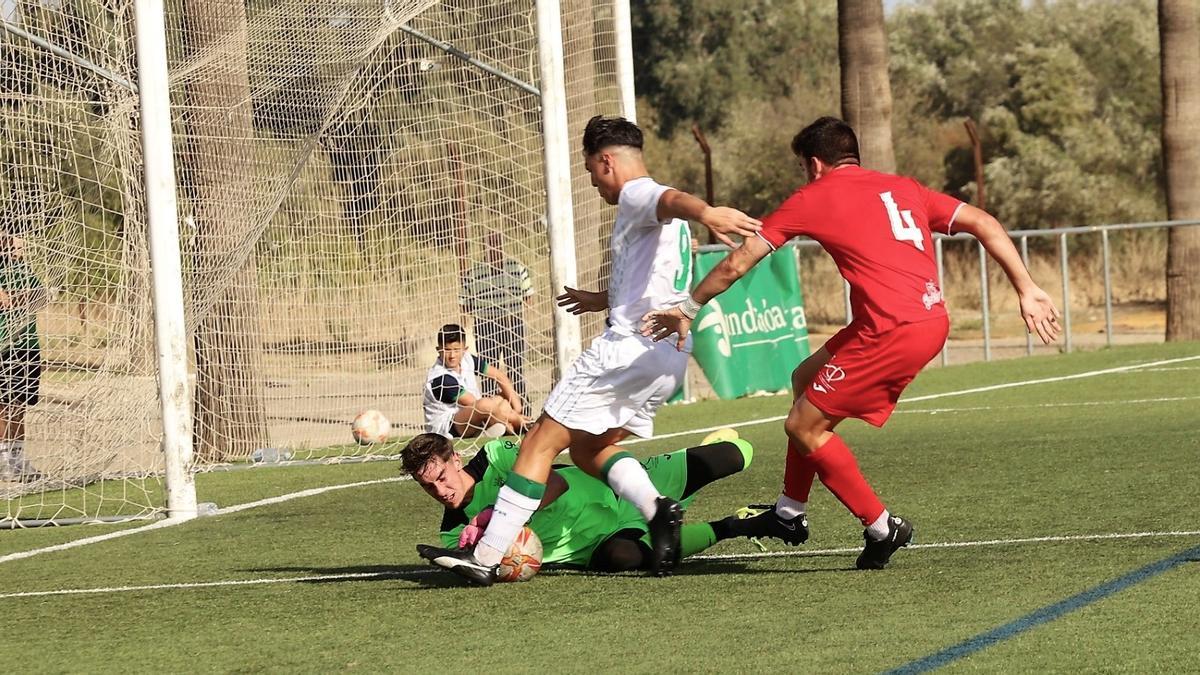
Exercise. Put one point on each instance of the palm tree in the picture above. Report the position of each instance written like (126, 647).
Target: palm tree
(1179, 42)
(866, 90)
(230, 420)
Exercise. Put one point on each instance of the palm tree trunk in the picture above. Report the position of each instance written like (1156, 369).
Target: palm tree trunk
(1179, 42)
(866, 90)
(230, 420)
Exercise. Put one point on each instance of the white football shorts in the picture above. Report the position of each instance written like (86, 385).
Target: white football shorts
(618, 382)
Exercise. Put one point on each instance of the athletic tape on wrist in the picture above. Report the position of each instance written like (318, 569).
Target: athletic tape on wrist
(690, 307)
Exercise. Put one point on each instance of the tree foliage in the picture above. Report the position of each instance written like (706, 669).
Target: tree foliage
(1065, 94)
(697, 60)
(750, 119)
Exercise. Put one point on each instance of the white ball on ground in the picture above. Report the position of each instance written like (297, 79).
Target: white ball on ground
(495, 431)
(370, 426)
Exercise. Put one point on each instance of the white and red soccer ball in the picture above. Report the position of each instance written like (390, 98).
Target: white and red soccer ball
(524, 558)
(369, 427)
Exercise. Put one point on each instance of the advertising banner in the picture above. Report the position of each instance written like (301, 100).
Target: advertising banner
(750, 337)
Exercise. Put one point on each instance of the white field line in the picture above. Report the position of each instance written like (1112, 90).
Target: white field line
(215, 584)
(1076, 404)
(1047, 380)
(731, 425)
(303, 493)
(170, 522)
(316, 491)
(731, 556)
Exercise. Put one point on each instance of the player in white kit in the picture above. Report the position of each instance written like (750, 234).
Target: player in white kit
(613, 389)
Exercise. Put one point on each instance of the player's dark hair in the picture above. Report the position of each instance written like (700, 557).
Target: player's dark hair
(451, 332)
(422, 448)
(603, 132)
(828, 139)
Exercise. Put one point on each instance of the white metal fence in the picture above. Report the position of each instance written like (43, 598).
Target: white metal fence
(1065, 237)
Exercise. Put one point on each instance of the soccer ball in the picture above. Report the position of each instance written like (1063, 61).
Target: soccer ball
(370, 426)
(524, 558)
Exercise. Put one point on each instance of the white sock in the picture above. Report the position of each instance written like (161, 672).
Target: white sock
(512, 511)
(878, 530)
(789, 508)
(628, 478)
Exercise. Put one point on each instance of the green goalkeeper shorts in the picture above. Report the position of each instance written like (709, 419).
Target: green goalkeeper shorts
(669, 474)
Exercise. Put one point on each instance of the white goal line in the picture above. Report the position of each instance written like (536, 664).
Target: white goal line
(321, 490)
(399, 574)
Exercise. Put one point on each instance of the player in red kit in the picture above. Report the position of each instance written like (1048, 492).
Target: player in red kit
(879, 229)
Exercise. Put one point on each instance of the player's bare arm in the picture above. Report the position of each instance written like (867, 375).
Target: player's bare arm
(1037, 308)
(13, 247)
(678, 320)
(466, 400)
(30, 300)
(722, 221)
(581, 302)
(507, 390)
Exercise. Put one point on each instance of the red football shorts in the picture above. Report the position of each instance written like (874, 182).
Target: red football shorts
(867, 371)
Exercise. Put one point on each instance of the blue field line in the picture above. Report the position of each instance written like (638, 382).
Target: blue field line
(1045, 615)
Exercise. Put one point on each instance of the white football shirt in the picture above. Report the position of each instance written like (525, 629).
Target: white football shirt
(651, 258)
(443, 387)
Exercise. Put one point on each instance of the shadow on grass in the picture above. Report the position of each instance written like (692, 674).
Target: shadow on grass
(426, 577)
(695, 568)
(422, 575)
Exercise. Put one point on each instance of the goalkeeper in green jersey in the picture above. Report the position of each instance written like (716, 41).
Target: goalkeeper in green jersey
(581, 522)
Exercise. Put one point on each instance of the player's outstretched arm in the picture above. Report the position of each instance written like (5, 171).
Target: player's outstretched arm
(678, 320)
(722, 221)
(1037, 309)
(582, 302)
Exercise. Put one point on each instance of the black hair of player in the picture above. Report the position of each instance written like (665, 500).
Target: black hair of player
(603, 132)
(422, 448)
(828, 139)
(451, 332)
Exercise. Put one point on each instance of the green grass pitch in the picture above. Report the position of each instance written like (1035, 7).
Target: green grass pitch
(1107, 454)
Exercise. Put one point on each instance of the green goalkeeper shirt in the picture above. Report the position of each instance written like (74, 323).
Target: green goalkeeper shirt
(18, 326)
(570, 527)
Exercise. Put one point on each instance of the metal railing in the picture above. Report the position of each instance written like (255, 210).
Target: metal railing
(1022, 238)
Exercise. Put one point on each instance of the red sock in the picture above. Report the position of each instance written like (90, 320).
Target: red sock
(798, 473)
(839, 472)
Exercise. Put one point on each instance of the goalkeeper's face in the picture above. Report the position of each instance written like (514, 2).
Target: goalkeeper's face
(443, 480)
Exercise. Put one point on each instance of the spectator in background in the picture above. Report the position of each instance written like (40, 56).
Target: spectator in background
(455, 407)
(494, 293)
(21, 296)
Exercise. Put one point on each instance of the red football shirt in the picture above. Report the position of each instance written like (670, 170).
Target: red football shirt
(877, 228)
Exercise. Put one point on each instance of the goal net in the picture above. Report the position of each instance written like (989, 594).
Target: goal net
(345, 172)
